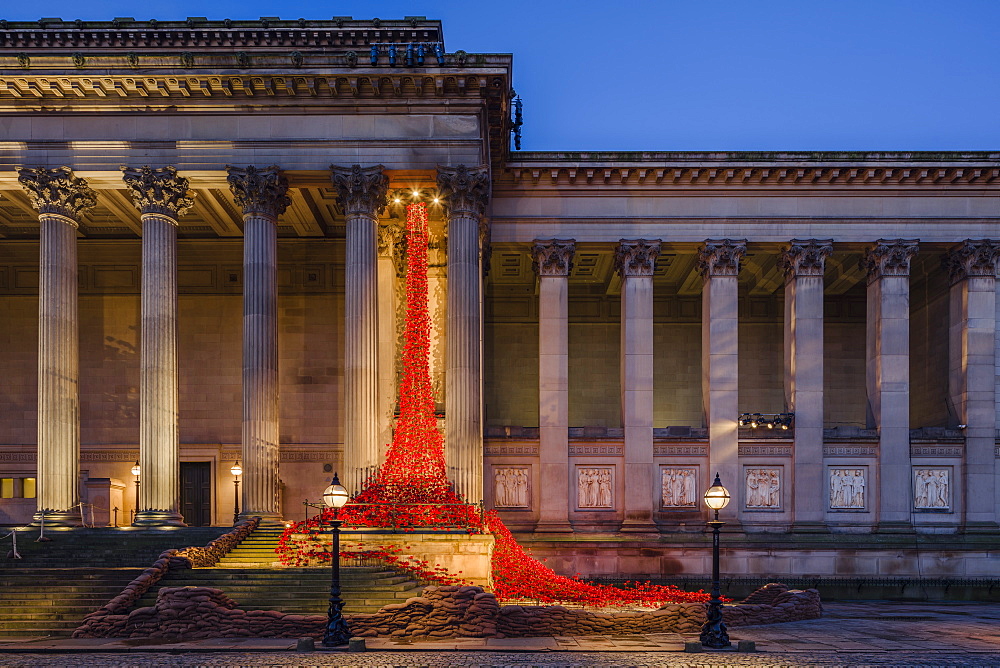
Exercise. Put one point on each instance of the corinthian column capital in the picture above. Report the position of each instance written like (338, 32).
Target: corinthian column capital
(721, 257)
(57, 191)
(553, 257)
(889, 257)
(636, 257)
(972, 259)
(805, 257)
(361, 191)
(464, 189)
(158, 190)
(259, 191)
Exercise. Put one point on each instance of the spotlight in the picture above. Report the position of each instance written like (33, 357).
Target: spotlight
(770, 425)
(416, 193)
(436, 200)
(397, 200)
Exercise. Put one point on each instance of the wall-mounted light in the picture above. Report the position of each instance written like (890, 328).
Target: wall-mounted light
(772, 421)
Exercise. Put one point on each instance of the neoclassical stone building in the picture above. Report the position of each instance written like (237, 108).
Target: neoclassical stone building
(201, 260)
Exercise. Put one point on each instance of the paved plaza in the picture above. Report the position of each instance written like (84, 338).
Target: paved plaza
(849, 634)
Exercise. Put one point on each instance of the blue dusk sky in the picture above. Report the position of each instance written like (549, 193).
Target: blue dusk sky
(889, 75)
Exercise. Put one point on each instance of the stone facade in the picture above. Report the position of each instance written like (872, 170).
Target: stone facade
(677, 292)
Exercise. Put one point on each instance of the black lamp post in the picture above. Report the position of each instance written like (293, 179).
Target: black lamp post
(335, 496)
(136, 470)
(236, 470)
(713, 633)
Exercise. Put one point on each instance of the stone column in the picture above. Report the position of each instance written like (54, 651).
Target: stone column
(888, 375)
(804, 263)
(262, 194)
(60, 199)
(161, 197)
(361, 194)
(389, 237)
(552, 260)
(635, 261)
(465, 192)
(719, 264)
(972, 266)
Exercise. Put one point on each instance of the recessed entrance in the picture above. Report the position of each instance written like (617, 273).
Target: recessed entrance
(196, 493)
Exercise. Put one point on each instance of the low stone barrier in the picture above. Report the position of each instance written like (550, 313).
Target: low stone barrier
(439, 612)
(187, 557)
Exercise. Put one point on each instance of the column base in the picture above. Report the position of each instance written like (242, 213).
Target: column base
(58, 518)
(553, 527)
(158, 518)
(893, 527)
(266, 519)
(980, 528)
(809, 527)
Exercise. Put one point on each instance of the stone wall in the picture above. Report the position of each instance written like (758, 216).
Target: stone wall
(594, 351)
(677, 374)
(467, 555)
(510, 373)
(439, 612)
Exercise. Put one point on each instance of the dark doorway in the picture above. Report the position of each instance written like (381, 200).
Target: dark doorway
(196, 493)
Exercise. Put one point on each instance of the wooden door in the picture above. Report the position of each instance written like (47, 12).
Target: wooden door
(196, 493)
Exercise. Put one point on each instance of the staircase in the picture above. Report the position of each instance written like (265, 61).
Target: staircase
(256, 550)
(54, 601)
(55, 584)
(248, 576)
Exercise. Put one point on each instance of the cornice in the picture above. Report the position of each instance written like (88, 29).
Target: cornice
(340, 32)
(951, 171)
(152, 86)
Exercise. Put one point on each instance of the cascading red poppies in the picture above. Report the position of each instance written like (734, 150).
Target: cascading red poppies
(411, 490)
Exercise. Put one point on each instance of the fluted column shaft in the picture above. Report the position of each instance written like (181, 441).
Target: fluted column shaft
(361, 447)
(466, 192)
(262, 195)
(552, 262)
(972, 382)
(60, 199)
(58, 372)
(719, 263)
(161, 196)
(635, 262)
(804, 263)
(361, 194)
(888, 376)
(159, 493)
(463, 379)
(260, 367)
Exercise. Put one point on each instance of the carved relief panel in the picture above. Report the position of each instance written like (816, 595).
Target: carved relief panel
(511, 487)
(595, 487)
(848, 488)
(932, 488)
(679, 487)
(762, 488)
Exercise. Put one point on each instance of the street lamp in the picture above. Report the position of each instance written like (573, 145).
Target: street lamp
(236, 470)
(335, 496)
(713, 633)
(136, 470)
